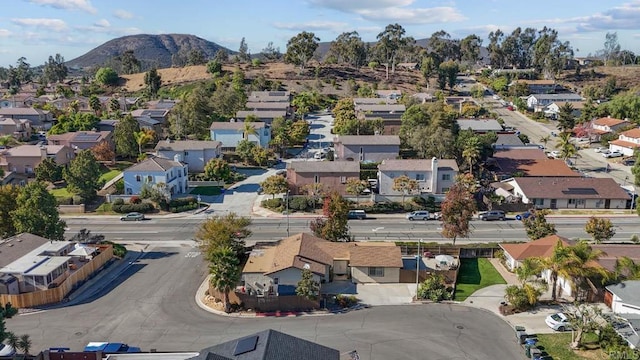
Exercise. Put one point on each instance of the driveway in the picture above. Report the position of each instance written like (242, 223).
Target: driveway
(373, 294)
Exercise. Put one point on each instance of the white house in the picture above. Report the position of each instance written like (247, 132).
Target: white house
(154, 171)
(231, 133)
(433, 176)
(627, 143)
(538, 102)
(553, 109)
(194, 153)
(624, 298)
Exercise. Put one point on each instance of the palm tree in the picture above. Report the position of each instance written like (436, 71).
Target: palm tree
(142, 138)
(224, 272)
(471, 152)
(7, 140)
(566, 147)
(248, 129)
(25, 343)
(585, 264)
(94, 104)
(627, 269)
(545, 140)
(528, 267)
(559, 264)
(13, 340)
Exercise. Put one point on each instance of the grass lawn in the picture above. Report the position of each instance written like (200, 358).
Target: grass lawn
(109, 174)
(558, 346)
(206, 190)
(61, 192)
(474, 275)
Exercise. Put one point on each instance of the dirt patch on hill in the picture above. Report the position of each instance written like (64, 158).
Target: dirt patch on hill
(627, 77)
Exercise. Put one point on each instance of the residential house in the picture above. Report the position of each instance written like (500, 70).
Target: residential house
(108, 125)
(391, 115)
(553, 109)
(569, 192)
(433, 176)
(13, 248)
(24, 159)
(268, 345)
(538, 102)
(480, 126)
(41, 119)
(19, 100)
(148, 123)
(162, 104)
(537, 86)
(526, 161)
(194, 153)
(608, 124)
(276, 269)
(270, 96)
(333, 175)
(374, 101)
(82, 140)
(154, 171)
(20, 129)
(507, 141)
(624, 297)
(265, 116)
(515, 253)
(389, 94)
(458, 101)
(268, 106)
(627, 143)
(367, 148)
(424, 97)
(231, 133)
(160, 115)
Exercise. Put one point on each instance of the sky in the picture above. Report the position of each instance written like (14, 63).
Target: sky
(36, 29)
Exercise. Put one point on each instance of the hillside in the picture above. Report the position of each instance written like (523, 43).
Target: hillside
(149, 49)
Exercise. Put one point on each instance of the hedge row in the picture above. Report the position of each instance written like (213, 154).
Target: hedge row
(144, 207)
(182, 208)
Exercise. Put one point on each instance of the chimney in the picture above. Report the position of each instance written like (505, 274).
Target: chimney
(434, 175)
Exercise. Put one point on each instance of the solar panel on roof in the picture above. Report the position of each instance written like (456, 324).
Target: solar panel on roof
(580, 191)
(87, 137)
(245, 345)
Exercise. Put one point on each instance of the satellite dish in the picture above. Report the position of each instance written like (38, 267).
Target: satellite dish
(307, 266)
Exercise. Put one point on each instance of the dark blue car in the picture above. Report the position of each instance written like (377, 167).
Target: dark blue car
(111, 348)
(524, 215)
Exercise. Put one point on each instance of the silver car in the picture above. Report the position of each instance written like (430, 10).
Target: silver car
(418, 215)
(132, 216)
(492, 215)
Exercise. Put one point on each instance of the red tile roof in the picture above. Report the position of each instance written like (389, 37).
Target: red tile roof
(633, 133)
(538, 248)
(609, 121)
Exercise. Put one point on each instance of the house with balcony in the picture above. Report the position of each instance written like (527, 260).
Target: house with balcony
(82, 140)
(40, 119)
(19, 129)
(539, 102)
(196, 154)
(170, 176)
(434, 176)
(627, 143)
(366, 148)
(24, 159)
(231, 133)
(333, 175)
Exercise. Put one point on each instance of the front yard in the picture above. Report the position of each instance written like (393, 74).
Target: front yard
(206, 191)
(474, 275)
(558, 346)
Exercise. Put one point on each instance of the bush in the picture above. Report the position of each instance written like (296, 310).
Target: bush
(77, 200)
(300, 203)
(118, 250)
(64, 200)
(135, 200)
(144, 207)
(276, 204)
(390, 207)
(346, 301)
(7, 311)
(182, 208)
(118, 201)
(434, 289)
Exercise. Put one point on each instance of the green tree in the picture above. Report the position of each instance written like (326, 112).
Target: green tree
(458, 208)
(142, 138)
(344, 112)
(430, 142)
(260, 155)
(75, 121)
(561, 263)
(304, 102)
(107, 76)
(37, 212)
(223, 231)
(315, 191)
(583, 318)
(308, 287)
(300, 49)
(83, 175)
(274, 184)
(8, 203)
(217, 170)
(7, 141)
(349, 48)
(334, 227)
(405, 185)
(470, 48)
(627, 269)
(225, 272)
(449, 71)
(129, 64)
(243, 52)
(94, 104)
(214, 67)
(434, 288)
(545, 140)
(471, 152)
(427, 68)
(244, 149)
(523, 297)
(153, 81)
(196, 57)
(537, 225)
(355, 187)
(566, 147)
(54, 69)
(126, 144)
(600, 229)
(390, 41)
(566, 120)
(25, 344)
(48, 170)
(299, 131)
(191, 117)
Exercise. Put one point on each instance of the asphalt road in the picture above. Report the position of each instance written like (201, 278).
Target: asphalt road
(382, 229)
(151, 305)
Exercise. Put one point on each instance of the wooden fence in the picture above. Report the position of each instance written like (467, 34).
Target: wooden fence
(50, 296)
(268, 303)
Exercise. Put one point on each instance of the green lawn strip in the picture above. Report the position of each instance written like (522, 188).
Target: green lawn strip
(558, 346)
(109, 175)
(474, 275)
(61, 192)
(206, 190)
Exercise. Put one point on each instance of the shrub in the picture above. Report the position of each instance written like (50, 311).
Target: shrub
(300, 203)
(7, 311)
(118, 201)
(77, 200)
(273, 204)
(118, 249)
(135, 200)
(144, 207)
(434, 289)
(182, 208)
(64, 200)
(346, 301)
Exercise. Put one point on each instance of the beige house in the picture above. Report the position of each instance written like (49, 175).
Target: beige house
(20, 129)
(333, 175)
(82, 140)
(277, 269)
(24, 159)
(433, 176)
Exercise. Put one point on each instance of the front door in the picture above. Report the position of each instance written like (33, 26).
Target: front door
(554, 204)
(607, 204)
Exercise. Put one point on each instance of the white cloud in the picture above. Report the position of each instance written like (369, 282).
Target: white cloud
(393, 11)
(5, 33)
(106, 28)
(104, 23)
(623, 17)
(49, 24)
(312, 26)
(83, 5)
(122, 14)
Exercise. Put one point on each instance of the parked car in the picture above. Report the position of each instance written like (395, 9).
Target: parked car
(110, 348)
(492, 215)
(510, 108)
(132, 216)
(558, 322)
(6, 351)
(601, 149)
(629, 161)
(554, 154)
(524, 215)
(612, 154)
(281, 172)
(418, 215)
(357, 214)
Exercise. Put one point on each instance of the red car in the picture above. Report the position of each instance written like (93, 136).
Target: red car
(510, 108)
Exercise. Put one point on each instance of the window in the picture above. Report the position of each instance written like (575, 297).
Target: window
(446, 177)
(376, 272)
(185, 171)
(138, 178)
(149, 178)
(186, 153)
(275, 281)
(419, 177)
(316, 179)
(343, 179)
(538, 202)
(445, 190)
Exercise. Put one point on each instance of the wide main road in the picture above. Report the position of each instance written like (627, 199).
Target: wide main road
(381, 229)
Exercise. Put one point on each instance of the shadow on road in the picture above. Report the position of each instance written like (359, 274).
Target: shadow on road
(244, 188)
(317, 126)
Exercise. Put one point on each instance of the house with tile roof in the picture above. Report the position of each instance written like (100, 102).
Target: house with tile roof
(569, 192)
(169, 176)
(434, 176)
(24, 159)
(366, 148)
(526, 161)
(230, 134)
(41, 119)
(196, 154)
(514, 254)
(19, 129)
(332, 174)
(276, 269)
(627, 143)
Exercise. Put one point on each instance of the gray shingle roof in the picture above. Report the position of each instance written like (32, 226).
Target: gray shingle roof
(325, 166)
(557, 97)
(154, 164)
(182, 145)
(416, 165)
(368, 140)
(479, 124)
(15, 247)
(238, 125)
(628, 291)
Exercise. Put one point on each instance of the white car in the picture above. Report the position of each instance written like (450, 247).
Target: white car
(601, 149)
(554, 154)
(612, 154)
(558, 322)
(6, 350)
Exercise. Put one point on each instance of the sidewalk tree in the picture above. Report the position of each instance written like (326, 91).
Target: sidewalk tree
(537, 225)
(315, 191)
(334, 226)
(83, 175)
(458, 208)
(405, 185)
(308, 287)
(222, 231)
(217, 170)
(126, 144)
(48, 171)
(583, 318)
(355, 187)
(37, 212)
(274, 184)
(225, 272)
(8, 203)
(600, 229)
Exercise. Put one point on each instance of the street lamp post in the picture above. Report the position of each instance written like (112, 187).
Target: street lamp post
(288, 191)
(633, 197)
(418, 259)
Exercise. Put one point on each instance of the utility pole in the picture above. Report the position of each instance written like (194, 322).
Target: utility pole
(288, 191)
(418, 259)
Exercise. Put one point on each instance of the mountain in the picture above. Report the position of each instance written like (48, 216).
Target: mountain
(149, 49)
